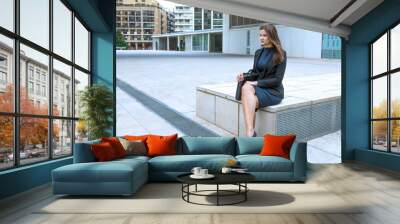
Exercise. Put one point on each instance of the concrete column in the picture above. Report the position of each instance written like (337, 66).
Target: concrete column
(191, 42)
(167, 43)
(179, 43)
(209, 42)
(202, 19)
(212, 19)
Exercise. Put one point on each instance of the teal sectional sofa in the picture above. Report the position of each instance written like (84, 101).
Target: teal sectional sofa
(125, 176)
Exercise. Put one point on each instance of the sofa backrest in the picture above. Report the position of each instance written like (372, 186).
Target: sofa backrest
(206, 145)
(249, 145)
(83, 152)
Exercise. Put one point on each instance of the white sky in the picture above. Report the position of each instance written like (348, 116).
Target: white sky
(167, 5)
(35, 27)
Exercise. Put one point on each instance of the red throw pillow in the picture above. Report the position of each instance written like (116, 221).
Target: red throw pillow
(103, 152)
(116, 145)
(161, 145)
(275, 145)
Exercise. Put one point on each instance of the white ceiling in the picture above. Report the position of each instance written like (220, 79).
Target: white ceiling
(316, 15)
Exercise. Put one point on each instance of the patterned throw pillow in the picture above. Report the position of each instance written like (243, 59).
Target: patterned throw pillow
(135, 147)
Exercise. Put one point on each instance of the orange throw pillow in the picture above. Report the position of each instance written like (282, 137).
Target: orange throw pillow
(116, 145)
(136, 137)
(161, 145)
(277, 145)
(103, 152)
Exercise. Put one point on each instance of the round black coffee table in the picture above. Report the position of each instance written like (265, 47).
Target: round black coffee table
(238, 179)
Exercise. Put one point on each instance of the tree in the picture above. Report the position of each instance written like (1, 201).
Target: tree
(121, 41)
(380, 127)
(97, 109)
(33, 131)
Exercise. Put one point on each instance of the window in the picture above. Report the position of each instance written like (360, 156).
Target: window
(35, 22)
(207, 19)
(62, 74)
(6, 142)
(81, 82)
(30, 87)
(6, 86)
(200, 42)
(44, 91)
(3, 72)
(238, 21)
(7, 14)
(81, 45)
(198, 19)
(3, 78)
(62, 29)
(385, 94)
(62, 137)
(31, 72)
(40, 62)
(45, 131)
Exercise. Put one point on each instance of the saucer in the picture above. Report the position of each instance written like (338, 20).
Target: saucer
(208, 176)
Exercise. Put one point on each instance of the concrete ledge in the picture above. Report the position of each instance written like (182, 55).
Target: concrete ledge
(308, 116)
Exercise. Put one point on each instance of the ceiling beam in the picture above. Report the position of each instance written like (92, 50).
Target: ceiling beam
(269, 15)
(346, 12)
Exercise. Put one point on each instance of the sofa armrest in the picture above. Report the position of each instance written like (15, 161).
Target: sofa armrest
(83, 152)
(298, 155)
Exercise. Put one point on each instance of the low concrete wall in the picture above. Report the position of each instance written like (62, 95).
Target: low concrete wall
(307, 118)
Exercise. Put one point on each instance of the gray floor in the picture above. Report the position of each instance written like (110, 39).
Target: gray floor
(156, 92)
(375, 191)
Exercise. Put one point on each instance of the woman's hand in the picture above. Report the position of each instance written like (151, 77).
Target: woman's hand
(239, 77)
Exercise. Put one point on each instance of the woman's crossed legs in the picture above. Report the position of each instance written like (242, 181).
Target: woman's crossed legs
(250, 103)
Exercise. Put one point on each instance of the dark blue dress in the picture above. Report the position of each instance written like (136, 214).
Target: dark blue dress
(265, 98)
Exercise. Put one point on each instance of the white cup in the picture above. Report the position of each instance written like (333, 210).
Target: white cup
(203, 172)
(196, 171)
(226, 170)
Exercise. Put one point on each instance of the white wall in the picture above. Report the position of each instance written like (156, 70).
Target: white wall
(300, 43)
(296, 42)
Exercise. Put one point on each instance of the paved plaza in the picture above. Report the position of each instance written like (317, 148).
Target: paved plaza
(156, 92)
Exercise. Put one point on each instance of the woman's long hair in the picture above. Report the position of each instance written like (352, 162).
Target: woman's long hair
(276, 43)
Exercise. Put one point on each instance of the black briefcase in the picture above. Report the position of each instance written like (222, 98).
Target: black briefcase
(246, 77)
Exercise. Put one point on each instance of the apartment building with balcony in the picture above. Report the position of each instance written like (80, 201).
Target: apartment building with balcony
(138, 20)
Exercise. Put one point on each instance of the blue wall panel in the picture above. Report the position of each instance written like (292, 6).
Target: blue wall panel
(24, 178)
(356, 92)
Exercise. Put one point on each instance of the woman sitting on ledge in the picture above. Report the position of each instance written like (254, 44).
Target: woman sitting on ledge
(266, 89)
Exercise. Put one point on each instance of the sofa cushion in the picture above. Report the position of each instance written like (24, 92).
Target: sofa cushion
(257, 163)
(136, 147)
(277, 145)
(206, 145)
(111, 171)
(116, 145)
(159, 145)
(103, 152)
(185, 163)
(83, 152)
(249, 145)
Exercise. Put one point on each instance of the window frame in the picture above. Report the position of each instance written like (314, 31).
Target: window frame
(388, 74)
(16, 115)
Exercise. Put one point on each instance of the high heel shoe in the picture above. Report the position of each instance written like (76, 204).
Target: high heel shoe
(254, 134)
